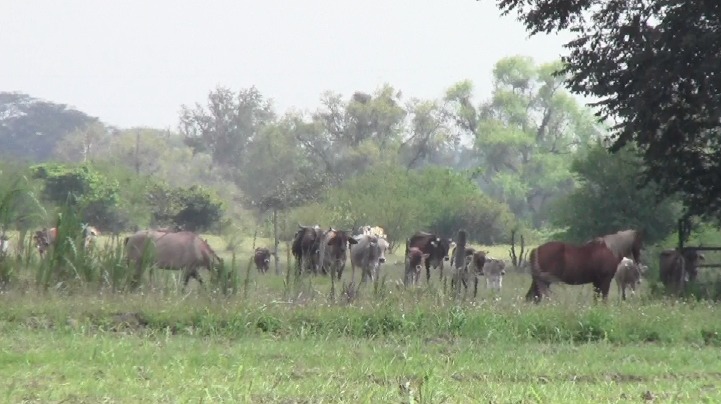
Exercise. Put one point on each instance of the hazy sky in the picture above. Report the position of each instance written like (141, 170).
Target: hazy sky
(133, 63)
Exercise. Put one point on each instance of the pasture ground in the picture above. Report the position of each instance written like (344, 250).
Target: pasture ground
(279, 342)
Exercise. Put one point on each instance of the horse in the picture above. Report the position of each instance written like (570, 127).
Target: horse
(594, 262)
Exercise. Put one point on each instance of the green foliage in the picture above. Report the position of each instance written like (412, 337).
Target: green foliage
(80, 186)
(403, 202)
(523, 135)
(227, 125)
(195, 208)
(30, 128)
(660, 86)
(199, 210)
(609, 198)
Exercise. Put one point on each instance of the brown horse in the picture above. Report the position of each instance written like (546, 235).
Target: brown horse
(594, 262)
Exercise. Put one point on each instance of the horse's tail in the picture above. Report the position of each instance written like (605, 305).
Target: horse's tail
(535, 264)
(534, 292)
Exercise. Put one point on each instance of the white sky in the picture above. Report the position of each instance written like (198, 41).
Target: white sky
(133, 63)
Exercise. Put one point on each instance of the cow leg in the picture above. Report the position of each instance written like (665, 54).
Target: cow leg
(428, 272)
(475, 286)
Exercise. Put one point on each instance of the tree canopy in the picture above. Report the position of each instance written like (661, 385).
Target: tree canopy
(653, 65)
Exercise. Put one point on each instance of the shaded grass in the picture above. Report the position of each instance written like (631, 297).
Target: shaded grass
(214, 315)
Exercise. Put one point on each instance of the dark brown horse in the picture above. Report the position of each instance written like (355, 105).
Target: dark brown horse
(594, 262)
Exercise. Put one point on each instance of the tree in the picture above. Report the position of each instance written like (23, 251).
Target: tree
(653, 65)
(524, 135)
(30, 128)
(81, 187)
(429, 133)
(83, 144)
(609, 198)
(403, 202)
(227, 125)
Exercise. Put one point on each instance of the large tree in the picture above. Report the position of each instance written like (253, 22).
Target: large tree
(608, 198)
(524, 134)
(654, 66)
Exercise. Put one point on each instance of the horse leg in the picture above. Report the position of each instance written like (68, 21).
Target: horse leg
(600, 288)
(534, 292)
(197, 277)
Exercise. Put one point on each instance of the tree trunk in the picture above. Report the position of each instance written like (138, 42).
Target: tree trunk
(275, 241)
(137, 153)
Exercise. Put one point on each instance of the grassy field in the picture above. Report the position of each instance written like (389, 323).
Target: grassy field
(282, 339)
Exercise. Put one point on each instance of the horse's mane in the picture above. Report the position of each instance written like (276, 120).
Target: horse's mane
(620, 243)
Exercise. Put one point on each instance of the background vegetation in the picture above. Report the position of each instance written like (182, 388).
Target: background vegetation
(529, 160)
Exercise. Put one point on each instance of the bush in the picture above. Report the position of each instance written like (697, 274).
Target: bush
(403, 202)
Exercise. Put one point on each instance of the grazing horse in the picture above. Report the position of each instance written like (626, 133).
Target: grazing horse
(594, 262)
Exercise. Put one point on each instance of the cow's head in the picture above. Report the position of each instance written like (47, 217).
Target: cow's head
(340, 240)
(90, 233)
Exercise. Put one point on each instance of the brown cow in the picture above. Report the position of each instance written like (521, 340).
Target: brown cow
(183, 250)
(306, 248)
(47, 237)
(594, 262)
(334, 251)
(676, 269)
(436, 247)
(414, 265)
(262, 259)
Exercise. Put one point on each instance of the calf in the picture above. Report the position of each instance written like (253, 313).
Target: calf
(262, 259)
(472, 269)
(436, 247)
(368, 254)
(493, 270)
(414, 265)
(628, 274)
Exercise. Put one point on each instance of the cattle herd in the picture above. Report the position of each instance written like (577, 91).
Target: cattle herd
(318, 251)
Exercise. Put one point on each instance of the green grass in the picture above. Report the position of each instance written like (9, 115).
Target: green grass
(278, 342)
(161, 367)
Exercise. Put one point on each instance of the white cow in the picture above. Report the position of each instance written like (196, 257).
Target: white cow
(628, 274)
(368, 254)
(373, 231)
